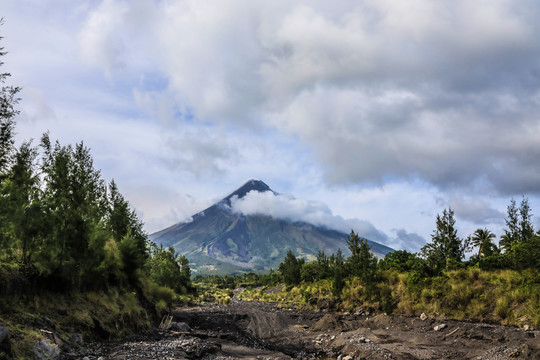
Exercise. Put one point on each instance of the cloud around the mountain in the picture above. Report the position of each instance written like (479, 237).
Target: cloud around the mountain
(287, 207)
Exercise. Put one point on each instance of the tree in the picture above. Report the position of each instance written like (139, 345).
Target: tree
(8, 100)
(401, 260)
(526, 230)
(518, 225)
(337, 268)
(511, 233)
(166, 268)
(290, 269)
(126, 229)
(362, 263)
(323, 265)
(446, 248)
(23, 202)
(483, 239)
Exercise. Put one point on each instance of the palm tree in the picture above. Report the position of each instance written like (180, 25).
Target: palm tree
(483, 239)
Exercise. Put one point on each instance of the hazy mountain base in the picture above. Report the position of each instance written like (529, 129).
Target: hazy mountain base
(221, 242)
(504, 297)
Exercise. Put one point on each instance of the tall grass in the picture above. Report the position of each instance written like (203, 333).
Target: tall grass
(506, 297)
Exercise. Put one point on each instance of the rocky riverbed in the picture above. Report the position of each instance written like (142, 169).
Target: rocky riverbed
(252, 330)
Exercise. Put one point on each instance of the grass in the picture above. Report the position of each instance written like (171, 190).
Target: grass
(506, 297)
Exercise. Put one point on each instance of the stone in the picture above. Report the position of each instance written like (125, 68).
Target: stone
(423, 317)
(43, 350)
(180, 326)
(359, 312)
(77, 339)
(439, 327)
(5, 344)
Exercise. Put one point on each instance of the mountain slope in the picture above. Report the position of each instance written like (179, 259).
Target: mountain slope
(218, 239)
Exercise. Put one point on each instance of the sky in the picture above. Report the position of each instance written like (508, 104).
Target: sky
(371, 115)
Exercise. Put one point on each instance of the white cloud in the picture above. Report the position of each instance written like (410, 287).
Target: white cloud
(287, 207)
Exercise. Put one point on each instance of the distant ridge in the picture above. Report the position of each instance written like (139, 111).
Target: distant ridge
(218, 240)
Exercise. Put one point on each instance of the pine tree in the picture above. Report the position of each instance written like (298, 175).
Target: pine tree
(362, 263)
(511, 233)
(23, 196)
(446, 247)
(526, 230)
(290, 269)
(8, 100)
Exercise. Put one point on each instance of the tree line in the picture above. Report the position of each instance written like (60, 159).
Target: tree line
(62, 227)
(518, 249)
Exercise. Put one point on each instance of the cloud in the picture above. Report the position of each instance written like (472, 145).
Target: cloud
(476, 211)
(377, 89)
(313, 212)
(406, 240)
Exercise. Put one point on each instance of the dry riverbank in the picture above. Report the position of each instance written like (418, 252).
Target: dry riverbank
(253, 330)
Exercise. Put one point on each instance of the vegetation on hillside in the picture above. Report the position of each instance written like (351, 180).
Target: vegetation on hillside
(496, 284)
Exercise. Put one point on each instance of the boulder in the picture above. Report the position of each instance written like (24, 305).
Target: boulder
(439, 327)
(360, 312)
(5, 344)
(43, 350)
(180, 326)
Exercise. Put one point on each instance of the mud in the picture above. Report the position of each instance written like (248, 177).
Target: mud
(252, 330)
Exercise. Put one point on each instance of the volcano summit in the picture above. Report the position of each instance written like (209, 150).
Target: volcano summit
(222, 240)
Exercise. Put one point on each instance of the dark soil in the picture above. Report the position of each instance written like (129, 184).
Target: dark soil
(253, 330)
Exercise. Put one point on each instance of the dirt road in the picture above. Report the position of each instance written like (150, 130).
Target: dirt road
(251, 330)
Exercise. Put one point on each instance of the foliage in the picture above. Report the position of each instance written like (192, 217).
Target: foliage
(362, 263)
(519, 225)
(290, 269)
(400, 260)
(483, 239)
(166, 268)
(446, 248)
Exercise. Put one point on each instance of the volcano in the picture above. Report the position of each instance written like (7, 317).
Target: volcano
(219, 240)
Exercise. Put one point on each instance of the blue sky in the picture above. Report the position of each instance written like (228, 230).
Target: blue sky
(375, 115)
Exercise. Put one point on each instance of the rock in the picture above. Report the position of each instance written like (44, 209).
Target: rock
(49, 324)
(77, 339)
(359, 312)
(180, 326)
(527, 327)
(45, 351)
(423, 317)
(5, 344)
(439, 327)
